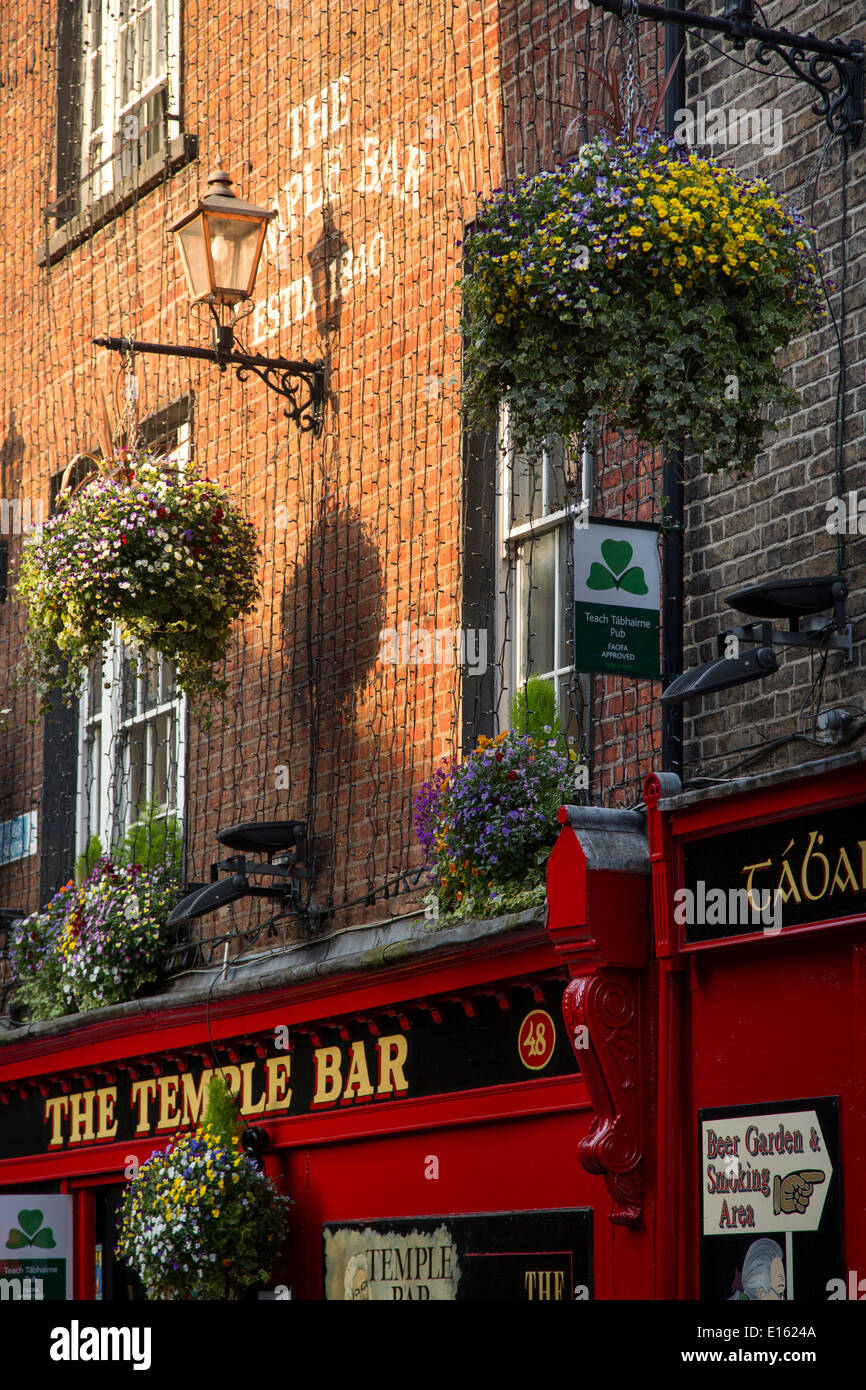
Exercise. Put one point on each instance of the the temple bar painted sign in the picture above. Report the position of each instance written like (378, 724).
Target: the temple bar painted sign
(522, 1256)
(427, 1051)
(766, 878)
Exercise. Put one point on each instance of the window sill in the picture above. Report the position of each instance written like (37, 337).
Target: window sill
(179, 152)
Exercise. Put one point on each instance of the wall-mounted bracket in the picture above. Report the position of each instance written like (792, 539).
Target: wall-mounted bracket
(302, 384)
(833, 70)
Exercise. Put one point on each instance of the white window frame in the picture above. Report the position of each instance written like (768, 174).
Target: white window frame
(114, 814)
(510, 539)
(110, 147)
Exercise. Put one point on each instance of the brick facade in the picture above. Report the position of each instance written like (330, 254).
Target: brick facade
(374, 129)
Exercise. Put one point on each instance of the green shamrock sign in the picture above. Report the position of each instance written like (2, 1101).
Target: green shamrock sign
(615, 573)
(31, 1233)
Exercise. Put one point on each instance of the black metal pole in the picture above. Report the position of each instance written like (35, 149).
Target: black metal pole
(216, 355)
(672, 479)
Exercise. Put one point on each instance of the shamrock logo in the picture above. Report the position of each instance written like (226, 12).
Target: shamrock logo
(616, 573)
(31, 1232)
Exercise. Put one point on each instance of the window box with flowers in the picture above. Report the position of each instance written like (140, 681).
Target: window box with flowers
(643, 284)
(488, 824)
(96, 943)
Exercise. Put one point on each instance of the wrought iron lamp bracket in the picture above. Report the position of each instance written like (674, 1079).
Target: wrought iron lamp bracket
(820, 64)
(301, 384)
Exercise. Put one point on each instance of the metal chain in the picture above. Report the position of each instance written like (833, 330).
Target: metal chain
(630, 18)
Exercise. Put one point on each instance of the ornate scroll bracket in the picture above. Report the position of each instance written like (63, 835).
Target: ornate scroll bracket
(303, 388)
(830, 62)
(302, 384)
(602, 1018)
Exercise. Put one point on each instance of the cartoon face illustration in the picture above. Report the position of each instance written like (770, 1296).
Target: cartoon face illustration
(763, 1273)
(776, 1290)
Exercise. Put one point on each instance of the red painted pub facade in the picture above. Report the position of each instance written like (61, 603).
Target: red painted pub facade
(629, 1097)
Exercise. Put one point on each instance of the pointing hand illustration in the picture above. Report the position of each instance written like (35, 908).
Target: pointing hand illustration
(792, 1192)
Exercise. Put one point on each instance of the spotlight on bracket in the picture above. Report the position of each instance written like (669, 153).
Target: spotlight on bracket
(790, 598)
(289, 865)
(801, 601)
(263, 836)
(721, 674)
(209, 898)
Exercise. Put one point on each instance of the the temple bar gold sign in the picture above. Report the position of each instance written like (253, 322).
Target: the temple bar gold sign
(534, 1256)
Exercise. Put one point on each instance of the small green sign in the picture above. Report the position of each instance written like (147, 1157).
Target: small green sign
(617, 586)
(35, 1246)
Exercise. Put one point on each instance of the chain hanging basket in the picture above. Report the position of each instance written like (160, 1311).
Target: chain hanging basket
(641, 283)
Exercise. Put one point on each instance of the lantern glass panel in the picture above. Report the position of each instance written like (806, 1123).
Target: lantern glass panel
(234, 243)
(191, 241)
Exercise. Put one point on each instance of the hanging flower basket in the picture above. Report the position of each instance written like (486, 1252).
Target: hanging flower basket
(164, 555)
(641, 283)
(200, 1221)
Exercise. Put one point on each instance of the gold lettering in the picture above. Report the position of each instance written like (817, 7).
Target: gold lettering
(141, 1093)
(804, 872)
(247, 1106)
(850, 879)
(358, 1079)
(329, 1081)
(56, 1108)
(193, 1096)
(81, 1116)
(168, 1116)
(279, 1091)
(861, 845)
(750, 869)
(232, 1078)
(392, 1055)
(106, 1099)
(793, 891)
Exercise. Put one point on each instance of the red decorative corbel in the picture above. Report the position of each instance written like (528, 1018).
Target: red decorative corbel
(601, 1013)
(597, 920)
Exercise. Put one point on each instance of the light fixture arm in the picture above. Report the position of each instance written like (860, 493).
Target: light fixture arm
(815, 61)
(302, 384)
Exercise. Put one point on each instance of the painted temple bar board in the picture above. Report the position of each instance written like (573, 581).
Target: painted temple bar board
(531, 1256)
(770, 1201)
(507, 1036)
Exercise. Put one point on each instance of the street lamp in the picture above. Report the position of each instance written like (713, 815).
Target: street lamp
(220, 243)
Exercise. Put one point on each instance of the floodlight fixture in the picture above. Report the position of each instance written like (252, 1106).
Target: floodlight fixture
(721, 674)
(209, 898)
(264, 836)
(790, 598)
